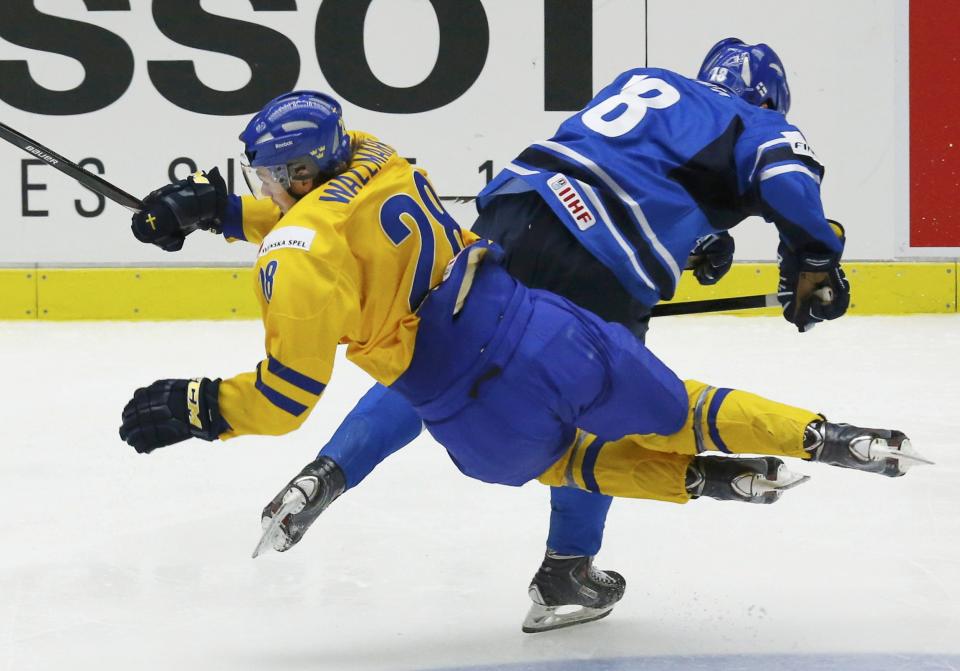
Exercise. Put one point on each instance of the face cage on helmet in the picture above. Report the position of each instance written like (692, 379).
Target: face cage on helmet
(264, 180)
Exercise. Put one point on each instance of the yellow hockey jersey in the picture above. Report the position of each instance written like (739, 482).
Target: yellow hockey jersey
(348, 263)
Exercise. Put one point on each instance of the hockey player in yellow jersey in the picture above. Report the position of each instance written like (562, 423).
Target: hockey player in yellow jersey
(352, 240)
(517, 384)
(363, 251)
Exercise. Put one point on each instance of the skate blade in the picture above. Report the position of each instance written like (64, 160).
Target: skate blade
(293, 502)
(787, 479)
(904, 454)
(547, 618)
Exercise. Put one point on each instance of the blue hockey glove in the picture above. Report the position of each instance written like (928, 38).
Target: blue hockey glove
(174, 211)
(305, 497)
(712, 257)
(170, 411)
(813, 287)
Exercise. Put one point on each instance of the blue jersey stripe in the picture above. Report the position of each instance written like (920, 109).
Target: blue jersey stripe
(285, 403)
(589, 461)
(618, 213)
(299, 380)
(715, 404)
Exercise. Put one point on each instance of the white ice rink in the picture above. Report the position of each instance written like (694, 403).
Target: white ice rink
(112, 560)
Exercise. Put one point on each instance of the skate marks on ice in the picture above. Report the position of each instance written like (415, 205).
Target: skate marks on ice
(860, 662)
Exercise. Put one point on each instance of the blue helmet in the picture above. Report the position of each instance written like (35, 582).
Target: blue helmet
(296, 136)
(752, 72)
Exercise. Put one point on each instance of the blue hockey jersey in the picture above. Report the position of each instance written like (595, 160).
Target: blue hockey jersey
(657, 161)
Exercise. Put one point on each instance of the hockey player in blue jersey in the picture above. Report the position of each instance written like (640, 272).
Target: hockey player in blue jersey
(656, 168)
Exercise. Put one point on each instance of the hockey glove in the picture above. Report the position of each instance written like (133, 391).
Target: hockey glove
(712, 257)
(174, 211)
(803, 279)
(170, 411)
(317, 485)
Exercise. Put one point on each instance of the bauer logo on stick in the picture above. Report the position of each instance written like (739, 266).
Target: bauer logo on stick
(39, 152)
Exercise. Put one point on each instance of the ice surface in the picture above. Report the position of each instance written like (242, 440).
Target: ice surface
(115, 560)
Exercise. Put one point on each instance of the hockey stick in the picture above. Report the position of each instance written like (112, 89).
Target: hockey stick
(96, 183)
(824, 294)
(93, 182)
(715, 305)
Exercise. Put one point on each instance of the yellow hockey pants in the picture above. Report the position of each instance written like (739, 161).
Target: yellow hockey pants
(655, 467)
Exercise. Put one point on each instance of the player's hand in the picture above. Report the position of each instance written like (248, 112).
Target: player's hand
(320, 482)
(712, 257)
(812, 288)
(174, 211)
(170, 411)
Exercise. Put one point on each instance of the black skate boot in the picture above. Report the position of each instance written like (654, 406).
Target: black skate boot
(753, 480)
(291, 512)
(882, 451)
(573, 584)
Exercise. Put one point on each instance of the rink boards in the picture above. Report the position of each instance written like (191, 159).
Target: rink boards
(228, 292)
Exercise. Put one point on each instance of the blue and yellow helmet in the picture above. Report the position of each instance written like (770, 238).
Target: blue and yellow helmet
(296, 136)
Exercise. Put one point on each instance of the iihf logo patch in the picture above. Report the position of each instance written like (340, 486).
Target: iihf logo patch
(572, 201)
(267, 274)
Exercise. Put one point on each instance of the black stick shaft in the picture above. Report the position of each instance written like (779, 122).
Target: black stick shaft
(93, 182)
(715, 305)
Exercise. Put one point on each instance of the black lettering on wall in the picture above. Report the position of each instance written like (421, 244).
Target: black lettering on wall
(176, 163)
(231, 175)
(567, 54)
(487, 169)
(464, 42)
(101, 201)
(273, 59)
(106, 59)
(26, 186)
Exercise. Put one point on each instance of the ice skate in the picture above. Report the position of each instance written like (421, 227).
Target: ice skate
(753, 479)
(882, 451)
(291, 512)
(570, 590)
(293, 502)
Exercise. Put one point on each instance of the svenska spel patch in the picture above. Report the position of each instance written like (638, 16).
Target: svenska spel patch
(287, 237)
